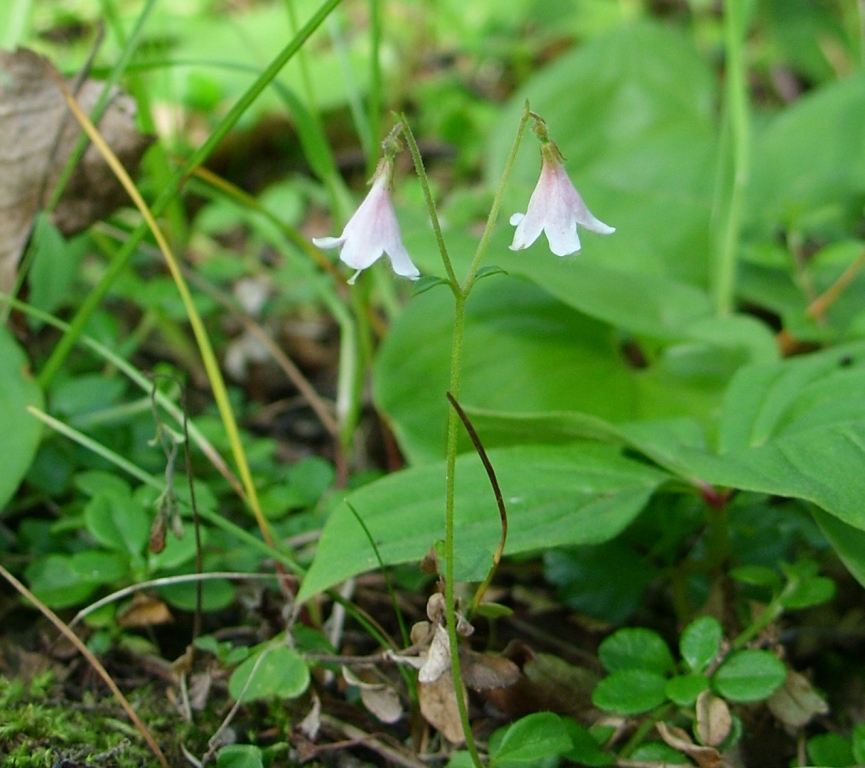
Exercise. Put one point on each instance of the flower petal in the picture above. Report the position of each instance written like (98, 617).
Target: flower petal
(326, 243)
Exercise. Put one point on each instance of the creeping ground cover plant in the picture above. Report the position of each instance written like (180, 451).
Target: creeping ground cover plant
(445, 384)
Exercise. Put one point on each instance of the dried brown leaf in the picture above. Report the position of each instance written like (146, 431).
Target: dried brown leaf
(713, 719)
(38, 137)
(438, 705)
(705, 757)
(144, 611)
(796, 702)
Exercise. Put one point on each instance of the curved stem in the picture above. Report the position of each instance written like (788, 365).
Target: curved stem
(430, 203)
(497, 204)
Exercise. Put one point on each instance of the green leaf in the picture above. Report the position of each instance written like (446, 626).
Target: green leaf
(239, 756)
(274, 671)
(585, 750)
(859, 743)
(810, 592)
(630, 692)
(606, 581)
(782, 191)
(795, 428)
(847, 541)
(425, 283)
(21, 430)
(684, 689)
(830, 750)
(636, 648)
(749, 675)
(555, 496)
(700, 642)
(757, 576)
(513, 331)
(61, 581)
(532, 738)
(118, 523)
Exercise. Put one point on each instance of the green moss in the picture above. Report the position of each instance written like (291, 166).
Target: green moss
(39, 729)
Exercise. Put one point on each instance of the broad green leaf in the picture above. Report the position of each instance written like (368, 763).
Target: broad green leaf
(795, 428)
(555, 496)
(523, 350)
(630, 692)
(684, 689)
(783, 190)
(847, 541)
(700, 642)
(636, 648)
(749, 675)
(532, 738)
(21, 430)
(276, 671)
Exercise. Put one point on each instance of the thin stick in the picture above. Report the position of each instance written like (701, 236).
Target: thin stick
(92, 660)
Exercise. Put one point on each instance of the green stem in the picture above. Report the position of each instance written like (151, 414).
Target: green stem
(375, 90)
(739, 127)
(497, 204)
(430, 204)
(450, 606)
(95, 297)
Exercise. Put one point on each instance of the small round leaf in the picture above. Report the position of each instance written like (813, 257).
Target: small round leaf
(749, 675)
(630, 692)
(700, 642)
(636, 648)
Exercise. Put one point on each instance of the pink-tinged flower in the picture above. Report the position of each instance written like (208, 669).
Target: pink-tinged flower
(373, 231)
(555, 208)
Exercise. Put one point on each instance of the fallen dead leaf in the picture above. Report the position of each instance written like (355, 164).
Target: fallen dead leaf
(438, 705)
(713, 719)
(144, 611)
(38, 137)
(796, 702)
(705, 757)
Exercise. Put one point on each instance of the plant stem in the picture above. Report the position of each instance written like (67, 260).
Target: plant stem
(430, 204)
(739, 127)
(497, 204)
(451, 451)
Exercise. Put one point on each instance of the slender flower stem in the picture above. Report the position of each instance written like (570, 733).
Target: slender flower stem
(461, 293)
(450, 602)
(430, 203)
(497, 204)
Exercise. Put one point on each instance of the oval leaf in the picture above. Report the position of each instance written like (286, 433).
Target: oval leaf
(749, 675)
(630, 692)
(276, 671)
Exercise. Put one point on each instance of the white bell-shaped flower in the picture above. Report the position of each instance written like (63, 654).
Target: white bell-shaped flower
(373, 231)
(555, 208)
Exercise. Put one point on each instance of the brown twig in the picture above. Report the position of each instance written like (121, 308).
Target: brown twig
(92, 660)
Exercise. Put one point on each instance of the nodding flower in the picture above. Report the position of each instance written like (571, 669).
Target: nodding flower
(373, 231)
(555, 208)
